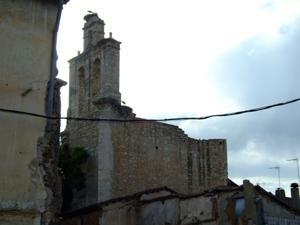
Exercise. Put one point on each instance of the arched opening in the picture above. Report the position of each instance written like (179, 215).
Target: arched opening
(81, 88)
(96, 84)
(81, 72)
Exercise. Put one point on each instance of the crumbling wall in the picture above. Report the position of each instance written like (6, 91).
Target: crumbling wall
(159, 212)
(208, 208)
(164, 210)
(150, 154)
(135, 156)
(47, 162)
(215, 154)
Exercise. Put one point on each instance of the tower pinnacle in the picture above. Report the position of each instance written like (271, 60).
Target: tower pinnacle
(93, 30)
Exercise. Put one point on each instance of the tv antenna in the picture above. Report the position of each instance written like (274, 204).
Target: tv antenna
(297, 163)
(278, 170)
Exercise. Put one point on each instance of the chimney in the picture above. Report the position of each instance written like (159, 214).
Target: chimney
(295, 195)
(280, 193)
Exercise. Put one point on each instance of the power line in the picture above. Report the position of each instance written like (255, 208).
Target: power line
(153, 120)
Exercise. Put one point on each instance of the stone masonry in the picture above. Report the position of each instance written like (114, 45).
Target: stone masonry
(127, 157)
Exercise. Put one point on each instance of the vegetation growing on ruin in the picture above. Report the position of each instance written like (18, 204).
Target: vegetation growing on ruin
(70, 163)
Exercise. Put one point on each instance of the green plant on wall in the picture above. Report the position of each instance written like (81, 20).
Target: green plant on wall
(70, 162)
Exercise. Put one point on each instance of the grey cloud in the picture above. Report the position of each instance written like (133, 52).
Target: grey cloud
(270, 74)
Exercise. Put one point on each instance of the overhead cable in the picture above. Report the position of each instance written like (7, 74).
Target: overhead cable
(153, 120)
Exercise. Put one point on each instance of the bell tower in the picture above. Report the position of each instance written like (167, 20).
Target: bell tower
(94, 74)
(94, 77)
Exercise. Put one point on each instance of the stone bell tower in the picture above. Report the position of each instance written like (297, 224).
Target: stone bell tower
(94, 74)
(94, 82)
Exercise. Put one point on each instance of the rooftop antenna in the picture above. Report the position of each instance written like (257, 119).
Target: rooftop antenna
(297, 163)
(278, 170)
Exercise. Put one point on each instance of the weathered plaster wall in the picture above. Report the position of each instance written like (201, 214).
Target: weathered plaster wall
(25, 57)
(198, 210)
(159, 212)
(275, 212)
(12, 218)
(167, 210)
(218, 207)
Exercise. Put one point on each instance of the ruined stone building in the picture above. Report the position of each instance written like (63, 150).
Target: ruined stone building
(246, 204)
(128, 157)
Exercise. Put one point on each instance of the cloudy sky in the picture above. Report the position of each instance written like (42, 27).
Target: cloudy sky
(201, 57)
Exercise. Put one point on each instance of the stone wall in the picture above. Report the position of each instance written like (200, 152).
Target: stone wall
(149, 154)
(135, 156)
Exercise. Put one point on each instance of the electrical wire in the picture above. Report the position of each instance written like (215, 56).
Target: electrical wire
(153, 120)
